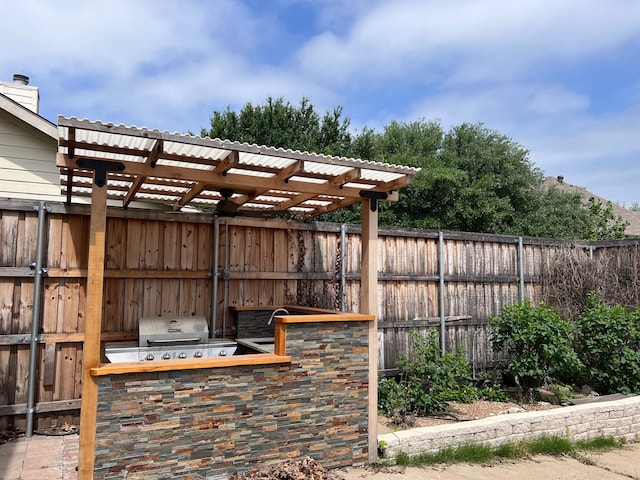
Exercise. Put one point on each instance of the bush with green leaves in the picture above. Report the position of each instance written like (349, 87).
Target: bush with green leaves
(430, 372)
(538, 343)
(428, 380)
(608, 343)
(392, 399)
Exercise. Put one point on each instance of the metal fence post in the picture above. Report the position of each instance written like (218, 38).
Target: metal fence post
(35, 322)
(443, 336)
(521, 267)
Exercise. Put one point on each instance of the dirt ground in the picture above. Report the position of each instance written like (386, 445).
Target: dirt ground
(464, 411)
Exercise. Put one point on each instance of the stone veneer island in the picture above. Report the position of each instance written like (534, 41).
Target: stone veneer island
(208, 418)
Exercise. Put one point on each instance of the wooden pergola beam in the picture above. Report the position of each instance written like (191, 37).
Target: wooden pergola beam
(346, 177)
(283, 175)
(152, 159)
(228, 162)
(233, 181)
(191, 194)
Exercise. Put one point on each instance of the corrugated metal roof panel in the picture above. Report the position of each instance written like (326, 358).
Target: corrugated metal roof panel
(182, 169)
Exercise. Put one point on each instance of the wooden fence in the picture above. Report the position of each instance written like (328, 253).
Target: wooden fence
(165, 264)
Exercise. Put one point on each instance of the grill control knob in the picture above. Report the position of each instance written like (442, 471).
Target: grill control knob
(182, 355)
(149, 356)
(223, 353)
(166, 356)
(197, 354)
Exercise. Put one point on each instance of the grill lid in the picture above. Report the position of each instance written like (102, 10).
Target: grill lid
(154, 331)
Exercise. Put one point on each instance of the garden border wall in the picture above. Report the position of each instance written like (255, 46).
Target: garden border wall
(616, 418)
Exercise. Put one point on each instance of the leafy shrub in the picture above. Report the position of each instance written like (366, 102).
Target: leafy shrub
(563, 393)
(392, 399)
(492, 393)
(428, 380)
(428, 373)
(608, 343)
(538, 344)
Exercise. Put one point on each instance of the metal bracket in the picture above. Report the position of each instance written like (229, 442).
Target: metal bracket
(100, 168)
(374, 197)
(43, 270)
(36, 339)
(47, 208)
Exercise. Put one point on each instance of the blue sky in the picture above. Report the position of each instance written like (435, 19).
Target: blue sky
(560, 77)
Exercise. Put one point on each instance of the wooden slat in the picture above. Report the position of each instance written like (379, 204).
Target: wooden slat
(49, 365)
(21, 374)
(425, 322)
(41, 407)
(51, 338)
(6, 384)
(7, 287)
(312, 318)
(9, 234)
(15, 272)
(131, 273)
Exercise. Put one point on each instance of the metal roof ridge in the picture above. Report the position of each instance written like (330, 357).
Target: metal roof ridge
(229, 144)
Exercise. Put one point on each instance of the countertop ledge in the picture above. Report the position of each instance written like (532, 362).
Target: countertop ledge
(194, 364)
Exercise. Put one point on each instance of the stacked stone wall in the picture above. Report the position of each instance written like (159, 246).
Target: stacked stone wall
(618, 418)
(208, 423)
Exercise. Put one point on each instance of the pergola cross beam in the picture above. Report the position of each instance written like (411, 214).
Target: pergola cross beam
(152, 159)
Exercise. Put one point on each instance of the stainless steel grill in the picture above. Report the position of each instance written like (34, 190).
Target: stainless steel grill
(166, 338)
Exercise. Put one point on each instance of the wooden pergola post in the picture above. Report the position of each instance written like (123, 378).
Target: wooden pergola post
(93, 329)
(369, 306)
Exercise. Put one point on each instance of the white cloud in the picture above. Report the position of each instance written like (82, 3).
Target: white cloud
(509, 64)
(145, 62)
(467, 40)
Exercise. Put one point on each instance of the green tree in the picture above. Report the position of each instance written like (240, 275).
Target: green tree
(280, 124)
(606, 224)
(497, 182)
(473, 178)
(553, 213)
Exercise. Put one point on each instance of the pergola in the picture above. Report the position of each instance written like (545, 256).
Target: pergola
(130, 164)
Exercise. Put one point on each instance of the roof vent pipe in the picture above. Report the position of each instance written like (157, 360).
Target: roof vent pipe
(21, 79)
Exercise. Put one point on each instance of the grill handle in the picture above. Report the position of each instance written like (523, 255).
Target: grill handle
(174, 341)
